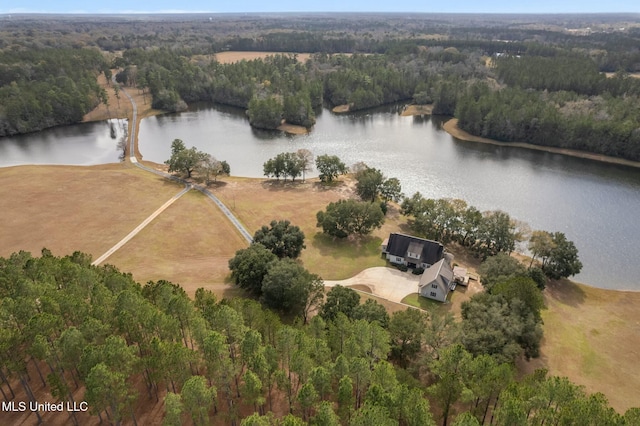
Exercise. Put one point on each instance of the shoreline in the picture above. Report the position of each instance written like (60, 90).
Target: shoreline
(416, 109)
(451, 127)
(114, 166)
(292, 129)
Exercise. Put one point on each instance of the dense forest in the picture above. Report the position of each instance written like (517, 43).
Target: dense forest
(41, 88)
(501, 76)
(92, 334)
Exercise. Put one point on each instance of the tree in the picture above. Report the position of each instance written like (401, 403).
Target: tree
(281, 238)
(348, 217)
(305, 159)
(345, 397)
(307, 398)
(182, 159)
(563, 258)
(406, 329)
(339, 299)
(441, 331)
(500, 267)
(209, 167)
(497, 233)
(297, 109)
(372, 415)
(173, 410)
(522, 288)
(249, 267)
(290, 288)
(372, 311)
(369, 183)
(466, 419)
(252, 390)
(285, 164)
(108, 391)
(265, 113)
(450, 370)
(274, 167)
(540, 245)
(325, 416)
(198, 399)
(330, 167)
(391, 190)
(501, 328)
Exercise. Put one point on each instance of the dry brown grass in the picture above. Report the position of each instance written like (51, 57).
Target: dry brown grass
(66, 208)
(631, 74)
(340, 109)
(417, 110)
(120, 108)
(591, 336)
(231, 57)
(257, 202)
(190, 244)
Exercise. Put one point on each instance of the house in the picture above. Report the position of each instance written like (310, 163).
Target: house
(412, 251)
(436, 282)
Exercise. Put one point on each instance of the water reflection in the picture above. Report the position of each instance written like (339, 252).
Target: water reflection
(81, 144)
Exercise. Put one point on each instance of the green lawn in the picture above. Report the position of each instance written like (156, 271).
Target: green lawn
(340, 259)
(422, 302)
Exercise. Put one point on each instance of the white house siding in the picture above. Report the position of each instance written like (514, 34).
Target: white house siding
(428, 291)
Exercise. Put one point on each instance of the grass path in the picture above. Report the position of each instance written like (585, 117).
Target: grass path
(189, 244)
(140, 227)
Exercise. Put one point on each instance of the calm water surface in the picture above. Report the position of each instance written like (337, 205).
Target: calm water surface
(596, 205)
(82, 145)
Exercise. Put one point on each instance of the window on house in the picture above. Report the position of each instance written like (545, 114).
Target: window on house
(399, 259)
(433, 294)
(434, 285)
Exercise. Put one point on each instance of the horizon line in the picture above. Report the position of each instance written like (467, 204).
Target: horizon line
(17, 11)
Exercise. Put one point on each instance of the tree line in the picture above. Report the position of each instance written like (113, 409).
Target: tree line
(67, 324)
(489, 233)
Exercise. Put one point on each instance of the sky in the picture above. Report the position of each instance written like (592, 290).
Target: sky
(248, 6)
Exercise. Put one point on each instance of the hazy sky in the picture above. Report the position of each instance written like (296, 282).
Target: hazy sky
(469, 6)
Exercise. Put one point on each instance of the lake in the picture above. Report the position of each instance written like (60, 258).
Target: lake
(81, 144)
(595, 204)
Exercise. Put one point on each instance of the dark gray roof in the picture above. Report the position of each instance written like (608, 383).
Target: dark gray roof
(432, 251)
(440, 273)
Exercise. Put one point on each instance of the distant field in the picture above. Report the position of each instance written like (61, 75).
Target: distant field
(613, 74)
(230, 57)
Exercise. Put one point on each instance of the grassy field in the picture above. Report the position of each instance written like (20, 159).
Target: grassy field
(258, 202)
(591, 336)
(190, 244)
(75, 208)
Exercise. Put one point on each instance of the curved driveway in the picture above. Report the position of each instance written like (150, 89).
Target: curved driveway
(388, 283)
